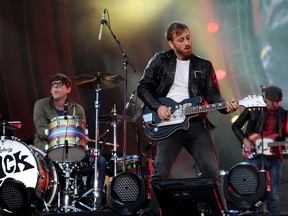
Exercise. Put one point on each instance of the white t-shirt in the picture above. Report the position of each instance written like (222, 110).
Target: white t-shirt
(179, 89)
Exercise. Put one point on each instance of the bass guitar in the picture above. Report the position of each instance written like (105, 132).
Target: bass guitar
(155, 128)
(268, 144)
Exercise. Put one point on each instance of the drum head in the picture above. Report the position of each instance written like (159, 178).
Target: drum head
(18, 162)
(59, 153)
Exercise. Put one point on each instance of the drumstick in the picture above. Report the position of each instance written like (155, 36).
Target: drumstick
(74, 110)
(102, 142)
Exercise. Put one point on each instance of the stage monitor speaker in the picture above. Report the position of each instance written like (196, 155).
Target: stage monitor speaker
(16, 199)
(127, 193)
(188, 196)
(246, 187)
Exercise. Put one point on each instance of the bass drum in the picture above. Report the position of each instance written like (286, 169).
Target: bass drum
(28, 165)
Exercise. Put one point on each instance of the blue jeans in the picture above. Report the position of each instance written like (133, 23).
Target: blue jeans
(273, 166)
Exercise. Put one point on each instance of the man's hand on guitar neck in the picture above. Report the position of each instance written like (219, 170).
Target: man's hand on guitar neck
(250, 146)
(164, 112)
(232, 106)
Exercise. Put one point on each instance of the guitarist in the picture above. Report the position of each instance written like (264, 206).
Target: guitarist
(270, 120)
(179, 74)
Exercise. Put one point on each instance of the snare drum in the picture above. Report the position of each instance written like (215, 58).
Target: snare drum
(132, 164)
(70, 130)
(20, 162)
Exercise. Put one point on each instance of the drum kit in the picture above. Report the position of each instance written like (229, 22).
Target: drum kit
(67, 154)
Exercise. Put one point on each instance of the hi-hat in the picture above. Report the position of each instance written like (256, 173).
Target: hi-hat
(104, 80)
(109, 118)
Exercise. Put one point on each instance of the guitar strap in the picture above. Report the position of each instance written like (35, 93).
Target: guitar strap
(199, 78)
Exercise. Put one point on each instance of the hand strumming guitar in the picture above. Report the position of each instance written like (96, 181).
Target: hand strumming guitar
(249, 145)
(164, 112)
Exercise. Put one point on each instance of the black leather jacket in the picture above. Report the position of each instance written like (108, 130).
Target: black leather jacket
(256, 120)
(159, 76)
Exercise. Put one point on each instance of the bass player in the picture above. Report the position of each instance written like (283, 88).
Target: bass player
(270, 125)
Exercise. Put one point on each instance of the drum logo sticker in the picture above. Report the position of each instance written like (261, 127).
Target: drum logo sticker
(13, 164)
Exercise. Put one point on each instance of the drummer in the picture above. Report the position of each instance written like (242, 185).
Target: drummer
(48, 108)
(59, 104)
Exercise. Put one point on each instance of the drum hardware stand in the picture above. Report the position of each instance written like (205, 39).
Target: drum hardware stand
(66, 206)
(3, 129)
(114, 151)
(96, 156)
(12, 125)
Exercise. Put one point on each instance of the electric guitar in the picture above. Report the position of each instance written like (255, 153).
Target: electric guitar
(155, 128)
(268, 143)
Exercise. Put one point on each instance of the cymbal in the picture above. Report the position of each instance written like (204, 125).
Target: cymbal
(104, 80)
(109, 118)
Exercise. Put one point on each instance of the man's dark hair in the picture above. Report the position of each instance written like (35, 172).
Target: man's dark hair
(273, 93)
(61, 77)
(175, 27)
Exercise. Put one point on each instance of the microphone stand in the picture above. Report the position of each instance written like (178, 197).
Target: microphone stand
(126, 61)
(262, 133)
(140, 156)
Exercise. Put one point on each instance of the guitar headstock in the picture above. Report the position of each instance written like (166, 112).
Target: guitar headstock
(252, 101)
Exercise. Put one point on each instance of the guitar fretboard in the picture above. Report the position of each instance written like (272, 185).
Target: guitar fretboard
(279, 143)
(205, 108)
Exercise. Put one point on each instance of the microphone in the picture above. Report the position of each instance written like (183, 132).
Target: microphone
(130, 99)
(65, 108)
(101, 24)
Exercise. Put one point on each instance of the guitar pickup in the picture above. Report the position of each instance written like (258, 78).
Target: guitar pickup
(148, 118)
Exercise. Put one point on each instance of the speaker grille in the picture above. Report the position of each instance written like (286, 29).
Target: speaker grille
(13, 195)
(244, 180)
(125, 188)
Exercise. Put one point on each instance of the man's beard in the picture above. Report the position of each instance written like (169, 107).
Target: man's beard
(185, 55)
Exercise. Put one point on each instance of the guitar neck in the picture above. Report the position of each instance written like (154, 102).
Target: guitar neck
(279, 143)
(204, 108)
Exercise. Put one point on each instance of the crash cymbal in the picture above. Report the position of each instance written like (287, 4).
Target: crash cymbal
(104, 80)
(109, 118)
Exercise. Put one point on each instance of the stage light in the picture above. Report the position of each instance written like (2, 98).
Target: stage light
(221, 74)
(15, 198)
(246, 187)
(212, 27)
(127, 193)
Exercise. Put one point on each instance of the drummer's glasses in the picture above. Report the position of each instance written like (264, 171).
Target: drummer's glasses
(57, 84)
